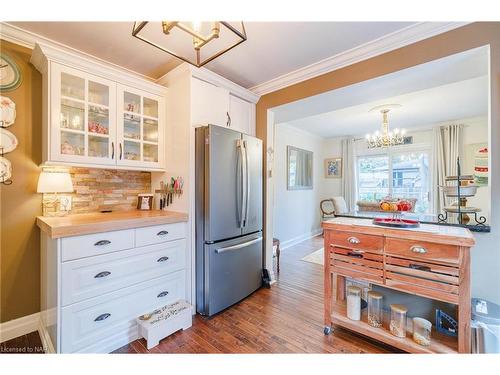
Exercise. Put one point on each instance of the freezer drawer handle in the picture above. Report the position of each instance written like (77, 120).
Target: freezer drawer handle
(239, 246)
(162, 259)
(162, 294)
(102, 243)
(162, 233)
(102, 274)
(102, 317)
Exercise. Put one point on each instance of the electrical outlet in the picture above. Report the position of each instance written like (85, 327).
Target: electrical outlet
(65, 203)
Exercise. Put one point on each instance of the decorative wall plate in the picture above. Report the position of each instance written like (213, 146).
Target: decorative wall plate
(8, 141)
(5, 169)
(10, 76)
(7, 112)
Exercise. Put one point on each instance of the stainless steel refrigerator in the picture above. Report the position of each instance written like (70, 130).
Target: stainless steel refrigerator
(229, 243)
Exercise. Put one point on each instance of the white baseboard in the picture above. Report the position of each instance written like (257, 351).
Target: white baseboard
(298, 239)
(45, 338)
(18, 327)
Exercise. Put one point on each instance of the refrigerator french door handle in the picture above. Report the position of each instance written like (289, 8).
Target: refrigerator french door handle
(241, 212)
(239, 246)
(247, 192)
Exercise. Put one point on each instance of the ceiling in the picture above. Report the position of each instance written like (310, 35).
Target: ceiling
(272, 48)
(454, 87)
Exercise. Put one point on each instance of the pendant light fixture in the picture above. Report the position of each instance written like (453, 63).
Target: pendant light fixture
(196, 43)
(385, 137)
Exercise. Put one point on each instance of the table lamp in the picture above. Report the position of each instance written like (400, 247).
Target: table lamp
(53, 181)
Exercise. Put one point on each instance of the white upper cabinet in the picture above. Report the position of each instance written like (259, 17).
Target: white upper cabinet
(215, 100)
(83, 123)
(140, 131)
(241, 115)
(209, 104)
(99, 116)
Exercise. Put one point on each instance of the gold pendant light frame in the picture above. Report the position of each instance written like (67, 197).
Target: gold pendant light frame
(199, 40)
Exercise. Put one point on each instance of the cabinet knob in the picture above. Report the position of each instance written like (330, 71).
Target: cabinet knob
(102, 317)
(418, 249)
(162, 294)
(162, 259)
(353, 240)
(102, 274)
(162, 233)
(102, 243)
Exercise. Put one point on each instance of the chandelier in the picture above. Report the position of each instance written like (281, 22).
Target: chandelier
(196, 43)
(385, 137)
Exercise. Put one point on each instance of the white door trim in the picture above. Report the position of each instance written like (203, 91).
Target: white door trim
(18, 327)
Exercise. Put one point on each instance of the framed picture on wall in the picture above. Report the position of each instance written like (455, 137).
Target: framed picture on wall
(333, 168)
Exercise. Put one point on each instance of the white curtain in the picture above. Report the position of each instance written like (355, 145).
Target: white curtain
(448, 146)
(349, 173)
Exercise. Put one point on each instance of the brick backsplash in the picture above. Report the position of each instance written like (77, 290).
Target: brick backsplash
(106, 189)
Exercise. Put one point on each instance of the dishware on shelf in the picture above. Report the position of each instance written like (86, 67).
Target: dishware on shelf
(422, 331)
(7, 112)
(8, 141)
(67, 149)
(460, 187)
(353, 302)
(5, 169)
(397, 324)
(375, 314)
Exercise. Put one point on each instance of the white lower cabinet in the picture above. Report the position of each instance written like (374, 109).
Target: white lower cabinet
(102, 289)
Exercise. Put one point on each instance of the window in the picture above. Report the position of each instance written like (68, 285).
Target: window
(403, 175)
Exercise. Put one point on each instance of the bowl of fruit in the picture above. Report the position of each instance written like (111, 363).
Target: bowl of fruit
(397, 208)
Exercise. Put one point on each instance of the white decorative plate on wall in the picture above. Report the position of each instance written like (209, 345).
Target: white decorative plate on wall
(5, 169)
(10, 76)
(7, 112)
(8, 141)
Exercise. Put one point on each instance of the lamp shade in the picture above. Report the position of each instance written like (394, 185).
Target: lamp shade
(54, 182)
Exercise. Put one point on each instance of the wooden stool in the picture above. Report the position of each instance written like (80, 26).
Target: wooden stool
(276, 243)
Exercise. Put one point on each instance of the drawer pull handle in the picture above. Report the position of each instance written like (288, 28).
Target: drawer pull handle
(162, 259)
(162, 294)
(353, 254)
(102, 274)
(102, 243)
(418, 249)
(353, 240)
(419, 267)
(162, 233)
(102, 317)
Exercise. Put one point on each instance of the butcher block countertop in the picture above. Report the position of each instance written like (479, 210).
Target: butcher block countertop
(426, 232)
(97, 222)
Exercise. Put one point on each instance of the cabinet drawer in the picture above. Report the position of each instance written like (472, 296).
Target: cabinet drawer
(159, 233)
(362, 265)
(422, 250)
(85, 323)
(96, 244)
(423, 278)
(94, 276)
(357, 241)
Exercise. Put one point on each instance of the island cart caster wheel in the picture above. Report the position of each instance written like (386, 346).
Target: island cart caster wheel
(327, 330)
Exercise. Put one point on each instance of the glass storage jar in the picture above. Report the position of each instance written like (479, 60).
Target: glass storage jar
(375, 316)
(397, 325)
(422, 331)
(353, 302)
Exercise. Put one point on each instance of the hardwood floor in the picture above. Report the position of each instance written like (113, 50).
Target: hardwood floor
(288, 318)
(26, 344)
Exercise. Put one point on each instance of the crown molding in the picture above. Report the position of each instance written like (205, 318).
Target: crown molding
(400, 38)
(29, 40)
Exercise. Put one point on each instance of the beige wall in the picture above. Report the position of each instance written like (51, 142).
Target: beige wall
(20, 238)
(95, 189)
(486, 255)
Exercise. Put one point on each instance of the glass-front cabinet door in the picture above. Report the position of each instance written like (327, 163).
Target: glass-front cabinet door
(140, 128)
(83, 117)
